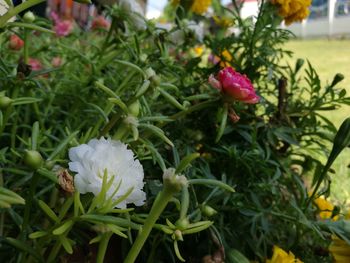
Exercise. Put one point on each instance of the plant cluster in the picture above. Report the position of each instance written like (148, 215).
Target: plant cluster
(164, 143)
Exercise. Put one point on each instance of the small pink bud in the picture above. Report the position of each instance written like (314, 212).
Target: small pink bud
(63, 28)
(100, 22)
(35, 64)
(214, 82)
(16, 43)
(56, 62)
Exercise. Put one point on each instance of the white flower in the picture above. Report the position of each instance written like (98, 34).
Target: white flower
(91, 160)
(135, 13)
(197, 29)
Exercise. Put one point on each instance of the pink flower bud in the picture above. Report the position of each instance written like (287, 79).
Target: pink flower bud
(35, 64)
(56, 62)
(214, 82)
(63, 28)
(100, 22)
(16, 43)
(235, 85)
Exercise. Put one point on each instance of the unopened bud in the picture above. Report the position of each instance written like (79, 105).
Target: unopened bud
(172, 181)
(337, 78)
(208, 210)
(182, 223)
(33, 159)
(143, 57)
(29, 17)
(5, 102)
(134, 108)
(177, 235)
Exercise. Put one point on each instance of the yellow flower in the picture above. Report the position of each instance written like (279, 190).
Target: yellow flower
(281, 256)
(293, 10)
(227, 58)
(200, 6)
(198, 50)
(222, 21)
(340, 250)
(325, 207)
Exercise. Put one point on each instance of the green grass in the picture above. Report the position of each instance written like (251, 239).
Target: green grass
(330, 57)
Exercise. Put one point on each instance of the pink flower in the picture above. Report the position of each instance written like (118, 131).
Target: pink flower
(35, 64)
(54, 17)
(100, 22)
(63, 28)
(16, 43)
(56, 62)
(235, 85)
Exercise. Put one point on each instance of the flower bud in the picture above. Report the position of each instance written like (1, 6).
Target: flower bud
(143, 58)
(155, 81)
(49, 165)
(134, 108)
(337, 78)
(29, 17)
(5, 102)
(33, 159)
(182, 223)
(150, 73)
(173, 182)
(177, 235)
(208, 210)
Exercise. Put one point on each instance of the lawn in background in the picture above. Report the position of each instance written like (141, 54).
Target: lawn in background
(330, 57)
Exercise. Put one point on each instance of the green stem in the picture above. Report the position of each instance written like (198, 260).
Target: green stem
(26, 46)
(102, 248)
(28, 207)
(185, 202)
(16, 10)
(325, 169)
(158, 206)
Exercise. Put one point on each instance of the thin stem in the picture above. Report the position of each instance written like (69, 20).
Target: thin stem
(29, 202)
(18, 9)
(26, 46)
(158, 206)
(185, 202)
(102, 248)
(325, 169)
(256, 24)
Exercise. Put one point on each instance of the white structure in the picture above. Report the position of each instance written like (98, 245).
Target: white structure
(327, 18)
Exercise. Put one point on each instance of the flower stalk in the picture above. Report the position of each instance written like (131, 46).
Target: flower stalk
(172, 184)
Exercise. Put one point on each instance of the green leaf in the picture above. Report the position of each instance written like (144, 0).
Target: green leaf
(37, 234)
(48, 211)
(66, 243)
(35, 135)
(116, 230)
(105, 219)
(186, 161)
(23, 247)
(212, 182)
(63, 228)
(223, 122)
(156, 131)
(25, 100)
(30, 26)
(62, 145)
(171, 99)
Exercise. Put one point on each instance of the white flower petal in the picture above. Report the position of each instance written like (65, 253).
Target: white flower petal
(91, 160)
